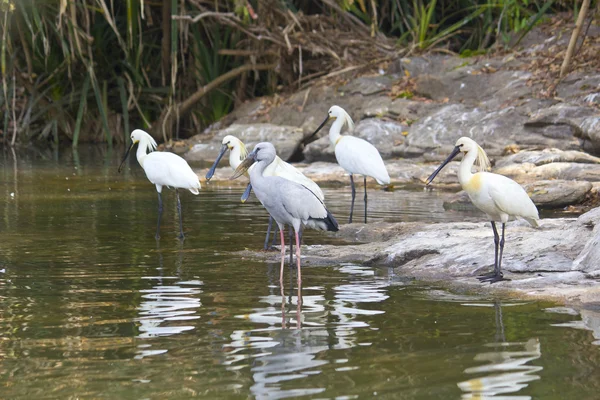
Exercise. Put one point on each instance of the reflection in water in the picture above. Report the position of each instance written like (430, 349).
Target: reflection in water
(300, 328)
(507, 371)
(165, 306)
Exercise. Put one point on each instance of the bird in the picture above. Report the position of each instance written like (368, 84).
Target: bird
(278, 167)
(496, 195)
(355, 155)
(163, 169)
(288, 202)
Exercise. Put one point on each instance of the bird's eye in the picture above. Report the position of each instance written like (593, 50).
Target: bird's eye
(461, 145)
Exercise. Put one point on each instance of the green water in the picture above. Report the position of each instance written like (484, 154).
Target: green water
(92, 307)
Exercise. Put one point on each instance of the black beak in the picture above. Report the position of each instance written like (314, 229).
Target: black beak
(243, 167)
(212, 169)
(126, 154)
(437, 171)
(320, 127)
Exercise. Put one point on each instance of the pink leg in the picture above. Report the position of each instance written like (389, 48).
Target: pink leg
(282, 256)
(298, 258)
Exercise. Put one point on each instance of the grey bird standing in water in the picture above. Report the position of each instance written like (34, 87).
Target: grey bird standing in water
(289, 203)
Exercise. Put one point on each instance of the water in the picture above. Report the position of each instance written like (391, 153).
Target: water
(92, 307)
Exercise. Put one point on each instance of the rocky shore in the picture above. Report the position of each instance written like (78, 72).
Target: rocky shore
(413, 111)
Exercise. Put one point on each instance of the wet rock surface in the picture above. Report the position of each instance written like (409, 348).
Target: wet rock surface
(557, 260)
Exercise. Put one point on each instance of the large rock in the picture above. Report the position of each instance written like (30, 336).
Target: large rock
(589, 258)
(494, 130)
(579, 121)
(527, 172)
(547, 156)
(287, 139)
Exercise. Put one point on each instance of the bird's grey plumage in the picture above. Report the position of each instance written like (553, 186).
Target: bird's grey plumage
(289, 203)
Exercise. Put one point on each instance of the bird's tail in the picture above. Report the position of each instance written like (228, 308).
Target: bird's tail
(328, 223)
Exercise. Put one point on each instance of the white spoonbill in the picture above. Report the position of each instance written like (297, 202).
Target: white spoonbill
(278, 167)
(355, 155)
(289, 203)
(496, 195)
(163, 169)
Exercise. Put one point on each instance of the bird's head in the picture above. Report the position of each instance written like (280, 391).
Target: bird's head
(464, 145)
(264, 151)
(336, 112)
(229, 142)
(139, 136)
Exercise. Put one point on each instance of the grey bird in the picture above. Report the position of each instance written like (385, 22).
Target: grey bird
(289, 203)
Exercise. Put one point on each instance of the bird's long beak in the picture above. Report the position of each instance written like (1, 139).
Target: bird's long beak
(212, 169)
(125, 157)
(243, 167)
(320, 126)
(437, 171)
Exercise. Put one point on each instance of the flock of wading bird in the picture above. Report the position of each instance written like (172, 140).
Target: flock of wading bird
(292, 199)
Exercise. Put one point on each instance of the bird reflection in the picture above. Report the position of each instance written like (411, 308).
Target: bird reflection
(507, 370)
(167, 305)
(296, 325)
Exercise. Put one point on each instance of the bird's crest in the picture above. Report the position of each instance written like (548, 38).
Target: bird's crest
(348, 120)
(482, 161)
(151, 146)
(243, 151)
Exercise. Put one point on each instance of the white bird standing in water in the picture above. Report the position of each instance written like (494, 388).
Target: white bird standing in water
(355, 155)
(163, 169)
(496, 195)
(289, 203)
(278, 167)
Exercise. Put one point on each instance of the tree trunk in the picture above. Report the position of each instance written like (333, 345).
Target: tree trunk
(166, 41)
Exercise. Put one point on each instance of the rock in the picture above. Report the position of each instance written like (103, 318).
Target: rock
(544, 194)
(398, 109)
(286, 139)
(547, 156)
(588, 259)
(557, 193)
(367, 85)
(583, 122)
(527, 172)
(492, 130)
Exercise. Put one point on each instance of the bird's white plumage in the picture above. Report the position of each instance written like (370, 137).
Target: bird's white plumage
(355, 155)
(496, 195)
(162, 168)
(278, 167)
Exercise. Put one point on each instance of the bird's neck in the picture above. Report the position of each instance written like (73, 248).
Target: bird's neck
(235, 157)
(141, 151)
(335, 131)
(256, 172)
(464, 171)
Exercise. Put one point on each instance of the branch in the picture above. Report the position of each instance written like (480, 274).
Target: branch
(167, 119)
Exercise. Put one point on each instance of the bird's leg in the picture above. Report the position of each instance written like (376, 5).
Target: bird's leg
(160, 211)
(365, 199)
(291, 247)
(496, 275)
(283, 326)
(266, 246)
(298, 263)
(181, 236)
(299, 307)
(353, 196)
(275, 235)
(501, 250)
(282, 256)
